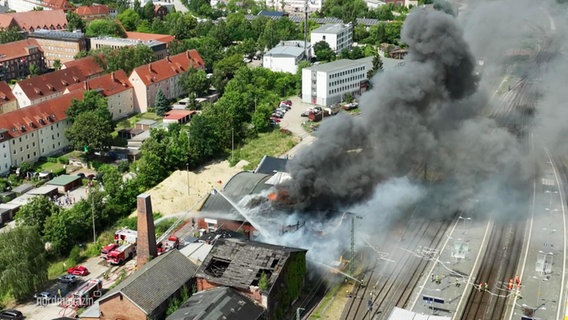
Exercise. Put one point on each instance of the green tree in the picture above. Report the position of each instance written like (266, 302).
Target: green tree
(129, 19)
(239, 27)
(195, 82)
(263, 282)
(35, 212)
(75, 22)
(92, 100)
(260, 117)
(57, 64)
(323, 52)
(91, 129)
(181, 25)
(377, 66)
(105, 27)
(205, 143)
(125, 58)
(63, 229)
(34, 69)
(161, 105)
(23, 263)
(10, 34)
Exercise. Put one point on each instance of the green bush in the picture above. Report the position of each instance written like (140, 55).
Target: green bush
(63, 160)
(52, 159)
(59, 171)
(96, 164)
(75, 256)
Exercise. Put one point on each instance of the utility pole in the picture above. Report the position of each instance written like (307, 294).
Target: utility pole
(306, 29)
(352, 259)
(187, 164)
(91, 188)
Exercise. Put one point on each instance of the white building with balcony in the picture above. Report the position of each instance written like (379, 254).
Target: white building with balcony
(327, 84)
(339, 36)
(286, 56)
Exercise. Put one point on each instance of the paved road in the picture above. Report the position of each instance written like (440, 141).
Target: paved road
(293, 121)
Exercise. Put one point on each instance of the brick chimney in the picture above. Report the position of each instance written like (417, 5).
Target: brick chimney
(146, 241)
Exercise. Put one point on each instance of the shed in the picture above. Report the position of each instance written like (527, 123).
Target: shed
(65, 182)
(45, 190)
(178, 116)
(21, 189)
(146, 124)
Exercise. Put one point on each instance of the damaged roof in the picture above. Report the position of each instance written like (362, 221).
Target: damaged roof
(218, 303)
(239, 264)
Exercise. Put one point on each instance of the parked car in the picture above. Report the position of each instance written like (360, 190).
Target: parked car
(284, 106)
(281, 110)
(272, 123)
(11, 314)
(44, 295)
(78, 271)
(67, 279)
(275, 119)
(287, 102)
(350, 106)
(277, 114)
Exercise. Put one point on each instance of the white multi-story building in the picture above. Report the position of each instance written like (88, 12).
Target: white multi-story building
(327, 84)
(339, 36)
(38, 130)
(286, 56)
(293, 5)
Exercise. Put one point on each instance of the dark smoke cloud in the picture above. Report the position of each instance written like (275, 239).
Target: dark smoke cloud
(403, 122)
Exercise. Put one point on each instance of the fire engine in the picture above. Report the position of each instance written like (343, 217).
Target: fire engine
(122, 253)
(171, 243)
(86, 294)
(125, 235)
(108, 248)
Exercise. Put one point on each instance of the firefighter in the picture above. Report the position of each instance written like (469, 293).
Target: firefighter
(510, 284)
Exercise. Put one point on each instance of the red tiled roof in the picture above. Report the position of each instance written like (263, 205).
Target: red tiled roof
(7, 21)
(178, 114)
(44, 19)
(17, 49)
(6, 95)
(169, 67)
(166, 38)
(58, 4)
(25, 120)
(87, 65)
(92, 10)
(110, 84)
(49, 83)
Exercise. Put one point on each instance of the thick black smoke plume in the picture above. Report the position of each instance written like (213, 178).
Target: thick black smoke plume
(418, 115)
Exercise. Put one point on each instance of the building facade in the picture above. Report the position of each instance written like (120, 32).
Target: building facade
(17, 57)
(339, 36)
(327, 84)
(159, 48)
(286, 56)
(162, 75)
(59, 45)
(293, 5)
(7, 100)
(98, 11)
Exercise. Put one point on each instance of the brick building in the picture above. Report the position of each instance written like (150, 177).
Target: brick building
(16, 58)
(59, 45)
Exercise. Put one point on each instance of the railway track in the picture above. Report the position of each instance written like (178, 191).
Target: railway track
(386, 285)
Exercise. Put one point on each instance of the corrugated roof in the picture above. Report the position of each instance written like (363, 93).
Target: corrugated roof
(241, 184)
(270, 165)
(109, 84)
(286, 51)
(17, 49)
(63, 180)
(238, 264)
(28, 119)
(169, 67)
(156, 281)
(338, 65)
(218, 303)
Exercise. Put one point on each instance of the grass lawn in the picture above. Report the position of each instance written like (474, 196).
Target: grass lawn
(272, 143)
(51, 167)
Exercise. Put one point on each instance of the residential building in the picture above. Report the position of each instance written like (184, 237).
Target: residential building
(339, 36)
(96, 11)
(241, 264)
(89, 66)
(59, 45)
(7, 100)
(327, 84)
(142, 36)
(374, 4)
(218, 303)
(46, 86)
(29, 21)
(159, 48)
(293, 5)
(147, 292)
(286, 56)
(406, 3)
(116, 88)
(162, 75)
(16, 58)
(35, 131)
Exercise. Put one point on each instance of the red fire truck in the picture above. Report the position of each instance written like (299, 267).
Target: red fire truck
(86, 294)
(121, 254)
(108, 248)
(170, 244)
(125, 235)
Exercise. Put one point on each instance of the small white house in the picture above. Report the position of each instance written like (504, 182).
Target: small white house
(339, 36)
(286, 56)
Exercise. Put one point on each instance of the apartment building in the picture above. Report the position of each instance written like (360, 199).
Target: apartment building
(46, 86)
(292, 5)
(159, 48)
(339, 36)
(162, 75)
(16, 58)
(114, 86)
(59, 45)
(327, 84)
(286, 56)
(39, 130)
